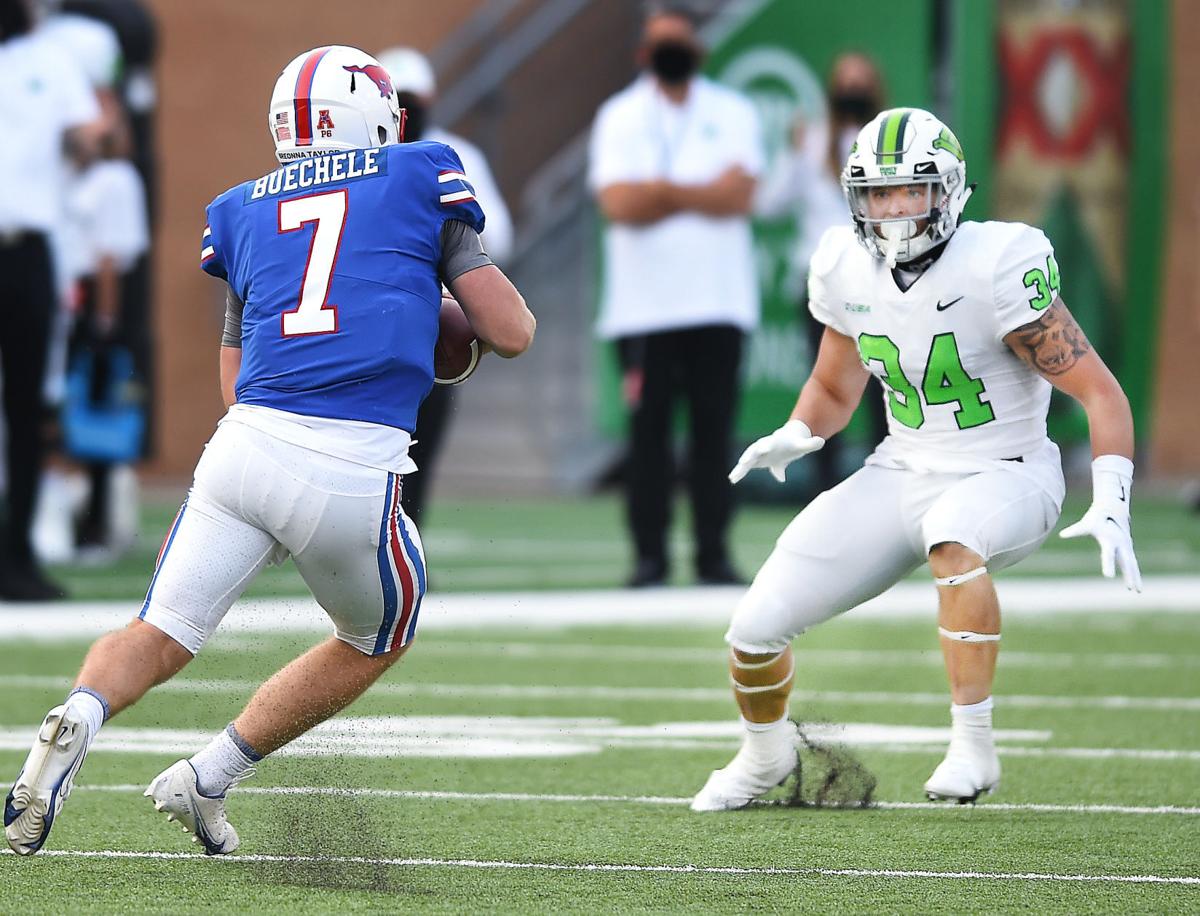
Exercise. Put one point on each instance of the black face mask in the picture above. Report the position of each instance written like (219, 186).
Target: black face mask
(854, 105)
(674, 62)
(416, 115)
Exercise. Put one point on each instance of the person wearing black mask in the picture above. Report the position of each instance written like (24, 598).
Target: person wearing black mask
(855, 97)
(673, 163)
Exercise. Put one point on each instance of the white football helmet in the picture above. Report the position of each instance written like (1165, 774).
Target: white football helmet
(906, 146)
(333, 98)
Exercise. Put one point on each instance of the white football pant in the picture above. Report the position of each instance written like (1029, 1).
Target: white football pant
(856, 540)
(254, 501)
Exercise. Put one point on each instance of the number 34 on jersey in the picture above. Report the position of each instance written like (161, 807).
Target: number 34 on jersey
(952, 387)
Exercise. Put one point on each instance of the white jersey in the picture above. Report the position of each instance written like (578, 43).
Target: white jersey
(957, 398)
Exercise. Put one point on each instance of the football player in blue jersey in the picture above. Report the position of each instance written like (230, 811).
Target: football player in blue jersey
(334, 264)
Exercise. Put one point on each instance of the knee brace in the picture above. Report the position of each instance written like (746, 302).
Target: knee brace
(769, 668)
(961, 578)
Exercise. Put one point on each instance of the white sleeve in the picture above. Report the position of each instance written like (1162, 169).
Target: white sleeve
(1026, 280)
(822, 299)
(76, 99)
(609, 161)
(92, 44)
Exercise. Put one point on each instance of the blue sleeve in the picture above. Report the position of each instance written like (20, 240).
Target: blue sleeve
(211, 260)
(456, 194)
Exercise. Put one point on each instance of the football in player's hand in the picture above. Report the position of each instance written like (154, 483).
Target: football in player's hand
(457, 351)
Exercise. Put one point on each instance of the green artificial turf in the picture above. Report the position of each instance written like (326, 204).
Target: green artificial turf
(491, 677)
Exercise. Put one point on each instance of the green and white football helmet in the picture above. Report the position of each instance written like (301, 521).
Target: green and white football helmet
(906, 146)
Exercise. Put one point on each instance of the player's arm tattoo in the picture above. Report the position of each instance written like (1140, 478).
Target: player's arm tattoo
(1053, 344)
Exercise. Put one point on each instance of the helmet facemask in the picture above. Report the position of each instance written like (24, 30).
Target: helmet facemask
(899, 233)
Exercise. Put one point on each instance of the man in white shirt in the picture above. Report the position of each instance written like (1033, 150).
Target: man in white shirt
(45, 101)
(416, 88)
(673, 163)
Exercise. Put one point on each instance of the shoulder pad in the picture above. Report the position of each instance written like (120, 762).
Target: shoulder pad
(834, 244)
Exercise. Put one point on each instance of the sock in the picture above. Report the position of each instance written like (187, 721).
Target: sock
(227, 758)
(972, 715)
(768, 740)
(972, 712)
(90, 706)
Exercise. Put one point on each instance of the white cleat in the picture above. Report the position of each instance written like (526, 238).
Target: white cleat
(971, 768)
(175, 793)
(45, 780)
(742, 781)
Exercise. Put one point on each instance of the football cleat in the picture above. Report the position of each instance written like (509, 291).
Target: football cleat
(971, 768)
(176, 794)
(743, 780)
(45, 780)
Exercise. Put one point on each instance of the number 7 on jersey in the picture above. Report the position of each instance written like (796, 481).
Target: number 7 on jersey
(327, 212)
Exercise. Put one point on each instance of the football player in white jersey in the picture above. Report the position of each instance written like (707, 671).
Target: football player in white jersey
(964, 326)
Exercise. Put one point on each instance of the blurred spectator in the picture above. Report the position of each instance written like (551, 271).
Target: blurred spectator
(104, 414)
(137, 33)
(806, 180)
(673, 163)
(413, 79)
(45, 101)
(94, 47)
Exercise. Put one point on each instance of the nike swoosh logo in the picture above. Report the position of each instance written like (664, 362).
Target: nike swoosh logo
(1122, 494)
(942, 308)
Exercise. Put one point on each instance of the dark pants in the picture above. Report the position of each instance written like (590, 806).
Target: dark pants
(701, 364)
(432, 420)
(27, 302)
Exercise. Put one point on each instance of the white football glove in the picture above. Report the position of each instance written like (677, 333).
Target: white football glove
(1108, 518)
(776, 451)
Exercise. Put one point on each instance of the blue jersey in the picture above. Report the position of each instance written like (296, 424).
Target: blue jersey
(336, 260)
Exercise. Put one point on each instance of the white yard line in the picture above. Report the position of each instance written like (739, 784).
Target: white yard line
(667, 800)
(653, 694)
(508, 737)
(517, 611)
(607, 867)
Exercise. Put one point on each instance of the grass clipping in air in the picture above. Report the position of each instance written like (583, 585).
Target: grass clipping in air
(826, 776)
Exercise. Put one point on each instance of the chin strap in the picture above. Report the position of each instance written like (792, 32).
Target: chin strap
(967, 196)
